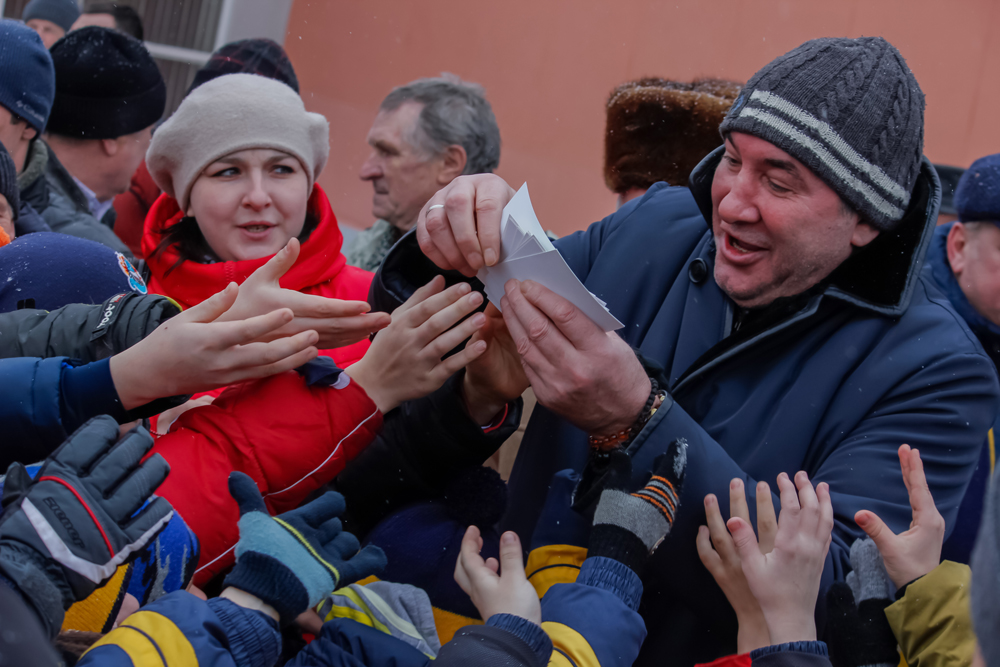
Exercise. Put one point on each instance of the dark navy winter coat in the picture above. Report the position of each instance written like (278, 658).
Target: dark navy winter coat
(959, 545)
(878, 359)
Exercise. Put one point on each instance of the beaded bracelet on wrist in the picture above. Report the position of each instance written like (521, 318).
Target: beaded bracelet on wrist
(606, 442)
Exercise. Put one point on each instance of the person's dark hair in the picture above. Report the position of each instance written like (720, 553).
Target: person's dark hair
(454, 112)
(127, 20)
(191, 245)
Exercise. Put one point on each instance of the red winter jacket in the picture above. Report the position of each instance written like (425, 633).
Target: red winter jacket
(321, 268)
(289, 437)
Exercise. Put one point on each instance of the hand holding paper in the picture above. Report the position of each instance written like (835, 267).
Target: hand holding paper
(527, 254)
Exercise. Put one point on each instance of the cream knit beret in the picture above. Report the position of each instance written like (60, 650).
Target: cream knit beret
(233, 113)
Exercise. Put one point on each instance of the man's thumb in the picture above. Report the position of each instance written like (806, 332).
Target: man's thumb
(214, 306)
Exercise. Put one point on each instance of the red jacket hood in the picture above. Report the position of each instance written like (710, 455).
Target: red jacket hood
(320, 259)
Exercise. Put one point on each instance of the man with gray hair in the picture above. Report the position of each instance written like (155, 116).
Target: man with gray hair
(426, 133)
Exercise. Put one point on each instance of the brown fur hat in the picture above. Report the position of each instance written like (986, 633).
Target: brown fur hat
(659, 130)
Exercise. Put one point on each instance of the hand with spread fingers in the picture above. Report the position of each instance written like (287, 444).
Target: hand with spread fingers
(496, 377)
(192, 352)
(459, 227)
(571, 362)
(63, 534)
(915, 552)
(497, 587)
(405, 361)
(720, 557)
(786, 581)
(338, 323)
(292, 561)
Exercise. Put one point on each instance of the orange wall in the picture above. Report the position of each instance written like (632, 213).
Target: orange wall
(548, 66)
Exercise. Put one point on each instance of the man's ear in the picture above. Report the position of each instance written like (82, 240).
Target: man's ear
(111, 146)
(453, 162)
(863, 235)
(957, 246)
(28, 133)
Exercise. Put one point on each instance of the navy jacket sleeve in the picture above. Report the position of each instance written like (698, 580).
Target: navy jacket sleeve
(793, 654)
(44, 400)
(182, 630)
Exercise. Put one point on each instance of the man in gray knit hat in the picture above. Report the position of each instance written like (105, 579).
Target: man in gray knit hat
(782, 300)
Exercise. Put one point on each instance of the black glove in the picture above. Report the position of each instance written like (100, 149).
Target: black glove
(65, 533)
(605, 469)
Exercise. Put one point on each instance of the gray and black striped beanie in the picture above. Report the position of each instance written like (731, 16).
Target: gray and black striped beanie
(850, 110)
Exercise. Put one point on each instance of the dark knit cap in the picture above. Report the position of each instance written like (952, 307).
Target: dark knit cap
(850, 110)
(249, 56)
(107, 85)
(977, 197)
(8, 182)
(27, 78)
(63, 13)
(48, 271)
(659, 130)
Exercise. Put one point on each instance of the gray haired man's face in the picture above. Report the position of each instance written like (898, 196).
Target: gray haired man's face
(402, 176)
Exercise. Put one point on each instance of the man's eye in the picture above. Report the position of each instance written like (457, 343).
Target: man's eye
(731, 161)
(229, 171)
(284, 169)
(777, 188)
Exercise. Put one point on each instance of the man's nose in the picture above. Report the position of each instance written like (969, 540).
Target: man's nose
(739, 204)
(371, 169)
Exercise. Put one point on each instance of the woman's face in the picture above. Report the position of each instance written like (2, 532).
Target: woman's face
(249, 204)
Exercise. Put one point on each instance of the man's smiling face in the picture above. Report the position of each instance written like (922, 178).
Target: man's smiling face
(778, 228)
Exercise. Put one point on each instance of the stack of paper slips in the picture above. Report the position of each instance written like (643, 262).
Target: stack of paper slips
(527, 254)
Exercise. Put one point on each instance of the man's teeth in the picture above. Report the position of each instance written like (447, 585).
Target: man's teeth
(736, 244)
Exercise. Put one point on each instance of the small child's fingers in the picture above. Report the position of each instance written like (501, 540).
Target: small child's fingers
(767, 521)
(787, 493)
(721, 539)
(738, 500)
(807, 494)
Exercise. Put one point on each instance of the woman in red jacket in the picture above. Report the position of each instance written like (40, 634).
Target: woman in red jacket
(238, 163)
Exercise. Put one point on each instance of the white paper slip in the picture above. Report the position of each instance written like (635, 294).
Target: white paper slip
(527, 254)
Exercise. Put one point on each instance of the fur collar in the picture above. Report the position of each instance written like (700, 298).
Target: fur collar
(879, 277)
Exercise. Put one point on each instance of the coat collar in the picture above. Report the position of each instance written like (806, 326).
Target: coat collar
(881, 276)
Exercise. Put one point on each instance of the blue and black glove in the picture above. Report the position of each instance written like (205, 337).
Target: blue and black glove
(294, 560)
(65, 533)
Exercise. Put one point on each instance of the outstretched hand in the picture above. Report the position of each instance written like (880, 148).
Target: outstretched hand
(193, 352)
(720, 557)
(337, 322)
(405, 359)
(917, 551)
(786, 581)
(292, 561)
(496, 377)
(65, 532)
(497, 587)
